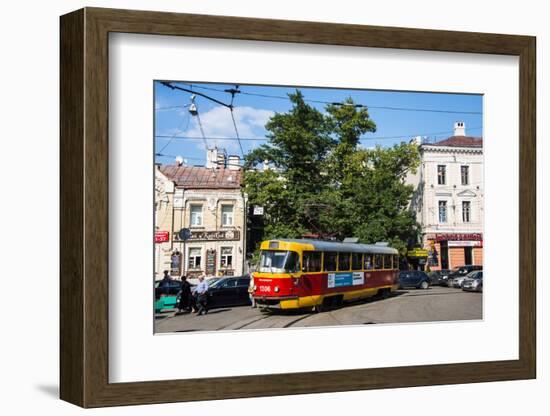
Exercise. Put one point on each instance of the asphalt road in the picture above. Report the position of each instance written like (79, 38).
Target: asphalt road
(414, 305)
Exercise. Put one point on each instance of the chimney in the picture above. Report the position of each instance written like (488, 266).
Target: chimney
(212, 158)
(233, 162)
(460, 128)
(215, 158)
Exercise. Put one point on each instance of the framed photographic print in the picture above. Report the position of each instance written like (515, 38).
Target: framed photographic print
(255, 207)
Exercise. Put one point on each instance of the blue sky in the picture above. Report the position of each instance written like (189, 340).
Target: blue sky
(177, 133)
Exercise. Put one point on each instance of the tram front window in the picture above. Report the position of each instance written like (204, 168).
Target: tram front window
(273, 261)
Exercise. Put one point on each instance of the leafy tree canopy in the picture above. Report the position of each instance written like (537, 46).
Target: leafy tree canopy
(313, 177)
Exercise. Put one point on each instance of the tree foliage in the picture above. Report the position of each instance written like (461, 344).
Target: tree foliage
(313, 177)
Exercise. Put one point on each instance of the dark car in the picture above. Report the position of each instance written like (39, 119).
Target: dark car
(168, 288)
(461, 272)
(414, 278)
(473, 281)
(229, 291)
(166, 294)
(439, 277)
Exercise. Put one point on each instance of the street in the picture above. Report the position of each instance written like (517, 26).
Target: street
(411, 305)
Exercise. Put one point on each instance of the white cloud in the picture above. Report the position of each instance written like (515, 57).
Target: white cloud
(217, 123)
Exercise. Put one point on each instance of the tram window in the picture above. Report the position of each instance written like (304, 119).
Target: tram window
(329, 262)
(387, 261)
(367, 263)
(378, 262)
(311, 261)
(395, 261)
(356, 261)
(343, 261)
(292, 262)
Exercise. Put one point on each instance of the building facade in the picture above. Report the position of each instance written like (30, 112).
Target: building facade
(448, 201)
(208, 205)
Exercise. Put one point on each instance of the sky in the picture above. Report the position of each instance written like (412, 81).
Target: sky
(399, 116)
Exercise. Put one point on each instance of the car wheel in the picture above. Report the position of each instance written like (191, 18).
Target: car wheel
(424, 285)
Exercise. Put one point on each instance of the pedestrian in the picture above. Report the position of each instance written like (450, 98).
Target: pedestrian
(202, 296)
(186, 298)
(251, 291)
(165, 283)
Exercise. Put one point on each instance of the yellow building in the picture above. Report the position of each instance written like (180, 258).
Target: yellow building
(209, 202)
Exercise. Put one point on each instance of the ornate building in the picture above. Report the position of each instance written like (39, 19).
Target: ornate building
(448, 200)
(208, 202)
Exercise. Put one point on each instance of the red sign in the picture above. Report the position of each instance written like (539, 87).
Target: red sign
(162, 236)
(458, 237)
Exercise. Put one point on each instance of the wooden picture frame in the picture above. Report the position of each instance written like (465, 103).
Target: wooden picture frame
(84, 207)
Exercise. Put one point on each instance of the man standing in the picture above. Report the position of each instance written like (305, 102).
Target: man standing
(165, 283)
(185, 295)
(202, 296)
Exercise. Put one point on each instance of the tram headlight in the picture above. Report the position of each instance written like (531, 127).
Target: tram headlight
(276, 289)
(254, 288)
(295, 281)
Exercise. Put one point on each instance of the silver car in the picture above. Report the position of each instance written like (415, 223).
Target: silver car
(458, 281)
(473, 282)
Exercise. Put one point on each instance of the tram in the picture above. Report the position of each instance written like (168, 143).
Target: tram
(322, 275)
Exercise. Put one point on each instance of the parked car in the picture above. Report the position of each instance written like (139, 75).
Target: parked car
(172, 287)
(414, 278)
(439, 277)
(473, 282)
(461, 272)
(166, 294)
(228, 291)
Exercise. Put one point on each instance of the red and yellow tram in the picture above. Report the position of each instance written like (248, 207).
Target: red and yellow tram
(321, 274)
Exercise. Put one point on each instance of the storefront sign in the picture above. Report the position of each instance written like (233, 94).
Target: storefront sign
(464, 244)
(210, 262)
(227, 235)
(417, 252)
(162, 236)
(459, 237)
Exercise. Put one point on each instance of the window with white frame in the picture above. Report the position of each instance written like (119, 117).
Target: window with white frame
(227, 215)
(441, 174)
(226, 257)
(466, 214)
(442, 211)
(194, 258)
(196, 215)
(465, 175)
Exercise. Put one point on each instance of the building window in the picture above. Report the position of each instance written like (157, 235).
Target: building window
(442, 211)
(441, 174)
(227, 215)
(196, 215)
(466, 211)
(226, 257)
(465, 175)
(194, 258)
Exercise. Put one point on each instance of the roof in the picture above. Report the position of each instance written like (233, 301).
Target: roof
(460, 141)
(199, 177)
(342, 247)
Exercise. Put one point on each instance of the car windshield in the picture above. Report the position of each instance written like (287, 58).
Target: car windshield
(274, 261)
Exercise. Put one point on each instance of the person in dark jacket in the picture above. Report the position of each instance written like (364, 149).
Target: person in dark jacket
(186, 298)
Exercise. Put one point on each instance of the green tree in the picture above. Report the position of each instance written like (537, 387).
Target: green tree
(319, 180)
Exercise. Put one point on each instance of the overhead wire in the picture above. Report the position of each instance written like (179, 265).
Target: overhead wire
(378, 107)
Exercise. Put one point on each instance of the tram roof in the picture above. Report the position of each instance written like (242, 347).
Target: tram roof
(344, 247)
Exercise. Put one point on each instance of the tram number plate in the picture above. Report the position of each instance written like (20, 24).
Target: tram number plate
(264, 288)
